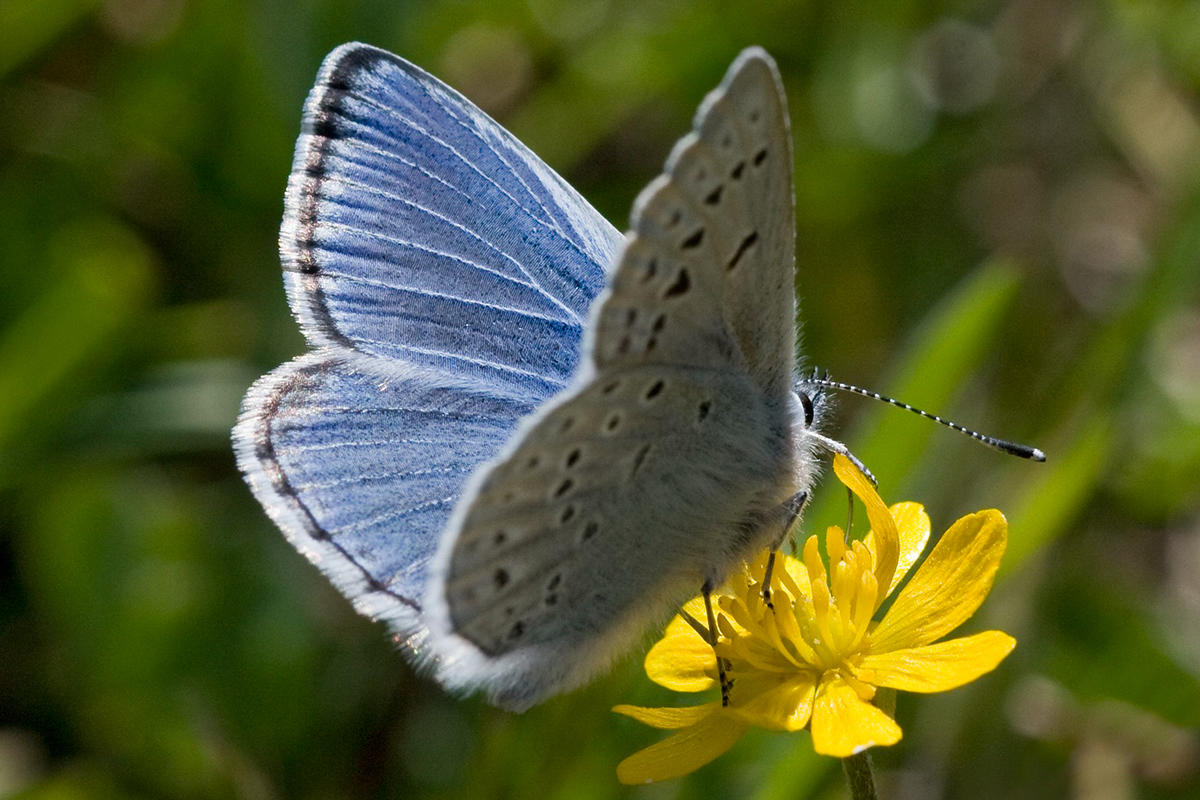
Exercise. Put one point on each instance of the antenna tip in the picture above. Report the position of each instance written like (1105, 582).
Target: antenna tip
(1021, 450)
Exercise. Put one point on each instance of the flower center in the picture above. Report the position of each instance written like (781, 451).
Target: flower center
(834, 620)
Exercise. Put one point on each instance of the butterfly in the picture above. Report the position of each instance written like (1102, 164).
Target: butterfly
(520, 437)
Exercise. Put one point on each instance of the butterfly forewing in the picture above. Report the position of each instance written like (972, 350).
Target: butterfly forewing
(712, 243)
(612, 507)
(418, 229)
(743, 128)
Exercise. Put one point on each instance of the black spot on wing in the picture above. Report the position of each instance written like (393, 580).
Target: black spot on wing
(682, 283)
(745, 245)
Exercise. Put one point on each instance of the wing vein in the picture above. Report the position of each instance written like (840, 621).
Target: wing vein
(490, 245)
(457, 154)
(473, 132)
(443, 296)
(381, 476)
(387, 516)
(326, 446)
(480, 362)
(413, 245)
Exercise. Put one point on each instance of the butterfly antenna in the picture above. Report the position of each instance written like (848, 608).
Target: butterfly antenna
(1012, 448)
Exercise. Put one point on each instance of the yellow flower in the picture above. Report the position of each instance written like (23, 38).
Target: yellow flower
(813, 658)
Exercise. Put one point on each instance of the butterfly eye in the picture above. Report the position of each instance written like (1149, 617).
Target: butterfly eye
(807, 402)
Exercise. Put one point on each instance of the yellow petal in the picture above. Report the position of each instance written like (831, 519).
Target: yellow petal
(844, 724)
(682, 752)
(683, 662)
(887, 538)
(938, 667)
(774, 704)
(668, 718)
(912, 523)
(948, 587)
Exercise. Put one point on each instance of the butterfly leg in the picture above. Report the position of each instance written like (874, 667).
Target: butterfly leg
(792, 507)
(706, 590)
(766, 585)
(834, 446)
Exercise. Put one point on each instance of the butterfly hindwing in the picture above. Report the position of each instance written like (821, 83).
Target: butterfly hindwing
(361, 469)
(611, 506)
(662, 461)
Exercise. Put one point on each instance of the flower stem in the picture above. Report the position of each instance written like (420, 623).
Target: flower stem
(858, 776)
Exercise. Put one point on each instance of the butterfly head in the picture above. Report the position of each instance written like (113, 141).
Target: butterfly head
(812, 400)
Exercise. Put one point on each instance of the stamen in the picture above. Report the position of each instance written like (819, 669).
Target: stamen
(864, 553)
(725, 627)
(812, 561)
(824, 642)
(820, 600)
(864, 607)
(789, 583)
(782, 645)
(835, 543)
(794, 633)
(845, 582)
(739, 613)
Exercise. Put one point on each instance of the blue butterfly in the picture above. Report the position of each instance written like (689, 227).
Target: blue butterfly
(520, 436)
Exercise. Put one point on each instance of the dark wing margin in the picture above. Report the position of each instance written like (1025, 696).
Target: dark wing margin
(357, 469)
(417, 228)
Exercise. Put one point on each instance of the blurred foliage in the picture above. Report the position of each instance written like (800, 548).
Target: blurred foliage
(999, 218)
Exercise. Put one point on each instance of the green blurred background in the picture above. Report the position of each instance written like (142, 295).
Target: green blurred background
(999, 218)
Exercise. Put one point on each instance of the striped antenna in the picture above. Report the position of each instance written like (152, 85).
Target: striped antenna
(1012, 448)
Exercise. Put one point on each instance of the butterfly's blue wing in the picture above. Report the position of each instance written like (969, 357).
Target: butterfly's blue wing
(443, 272)
(419, 229)
(361, 468)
